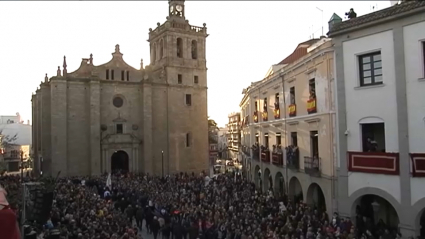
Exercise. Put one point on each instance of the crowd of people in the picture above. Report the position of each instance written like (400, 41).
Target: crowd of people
(183, 206)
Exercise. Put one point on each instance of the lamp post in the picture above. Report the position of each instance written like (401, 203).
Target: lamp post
(162, 154)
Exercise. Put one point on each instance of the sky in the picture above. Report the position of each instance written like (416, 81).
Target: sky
(246, 38)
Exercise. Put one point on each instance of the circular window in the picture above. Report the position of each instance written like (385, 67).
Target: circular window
(118, 102)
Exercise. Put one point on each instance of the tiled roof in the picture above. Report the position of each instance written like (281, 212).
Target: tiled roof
(384, 13)
(299, 52)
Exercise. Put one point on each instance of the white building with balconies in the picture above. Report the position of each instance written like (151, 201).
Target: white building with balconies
(379, 62)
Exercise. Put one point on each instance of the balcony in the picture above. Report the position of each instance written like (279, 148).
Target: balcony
(311, 106)
(277, 158)
(292, 157)
(312, 166)
(255, 116)
(265, 155)
(276, 111)
(265, 116)
(292, 109)
(373, 162)
(255, 152)
(246, 150)
(418, 165)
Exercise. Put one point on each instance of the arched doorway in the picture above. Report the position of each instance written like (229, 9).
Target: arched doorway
(279, 184)
(119, 161)
(377, 211)
(316, 198)
(256, 176)
(421, 225)
(295, 190)
(268, 181)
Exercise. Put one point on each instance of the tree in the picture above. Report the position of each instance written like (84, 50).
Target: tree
(5, 142)
(212, 131)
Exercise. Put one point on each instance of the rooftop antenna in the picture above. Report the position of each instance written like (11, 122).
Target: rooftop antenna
(322, 18)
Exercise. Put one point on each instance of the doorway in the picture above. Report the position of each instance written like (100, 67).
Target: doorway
(119, 161)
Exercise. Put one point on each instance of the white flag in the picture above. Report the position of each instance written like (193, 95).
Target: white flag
(109, 182)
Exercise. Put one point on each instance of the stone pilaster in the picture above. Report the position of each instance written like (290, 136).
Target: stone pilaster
(147, 129)
(59, 126)
(95, 149)
(45, 123)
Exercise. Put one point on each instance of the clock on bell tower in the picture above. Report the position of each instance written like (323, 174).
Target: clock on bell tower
(176, 8)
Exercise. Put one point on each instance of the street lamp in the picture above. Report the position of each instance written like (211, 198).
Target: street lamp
(162, 154)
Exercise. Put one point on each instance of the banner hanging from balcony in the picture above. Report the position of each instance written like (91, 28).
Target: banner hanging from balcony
(292, 109)
(311, 106)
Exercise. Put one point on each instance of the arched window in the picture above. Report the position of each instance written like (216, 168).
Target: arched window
(161, 49)
(194, 49)
(153, 53)
(179, 48)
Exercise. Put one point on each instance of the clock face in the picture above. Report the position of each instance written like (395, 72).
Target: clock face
(179, 8)
(171, 8)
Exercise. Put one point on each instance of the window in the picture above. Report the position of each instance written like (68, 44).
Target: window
(122, 75)
(118, 102)
(265, 104)
(195, 79)
(257, 139)
(312, 88)
(294, 139)
(179, 79)
(292, 95)
(14, 154)
(373, 137)
(112, 74)
(107, 74)
(276, 101)
(188, 99)
(314, 143)
(179, 48)
(187, 139)
(120, 128)
(128, 76)
(370, 69)
(266, 140)
(256, 106)
(278, 139)
(194, 49)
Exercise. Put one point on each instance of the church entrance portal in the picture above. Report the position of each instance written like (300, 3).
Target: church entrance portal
(119, 161)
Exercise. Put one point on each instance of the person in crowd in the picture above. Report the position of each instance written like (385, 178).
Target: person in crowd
(186, 206)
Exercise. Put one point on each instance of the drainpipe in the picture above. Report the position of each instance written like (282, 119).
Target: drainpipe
(331, 139)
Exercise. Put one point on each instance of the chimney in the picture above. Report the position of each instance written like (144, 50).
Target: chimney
(335, 19)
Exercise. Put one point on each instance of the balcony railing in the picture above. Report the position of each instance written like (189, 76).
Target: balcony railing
(265, 155)
(311, 106)
(292, 157)
(418, 165)
(246, 150)
(277, 158)
(255, 153)
(255, 116)
(312, 166)
(292, 109)
(373, 162)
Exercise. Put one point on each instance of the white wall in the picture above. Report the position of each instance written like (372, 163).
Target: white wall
(383, 96)
(415, 88)
(383, 108)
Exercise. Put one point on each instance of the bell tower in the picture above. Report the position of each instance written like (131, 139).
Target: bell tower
(178, 57)
(176, 10)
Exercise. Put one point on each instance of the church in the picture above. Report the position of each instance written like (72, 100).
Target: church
(102, 118)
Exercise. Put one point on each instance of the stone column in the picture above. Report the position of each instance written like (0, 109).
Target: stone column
(95, 150)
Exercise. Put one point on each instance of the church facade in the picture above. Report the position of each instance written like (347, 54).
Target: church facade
(112, 116)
